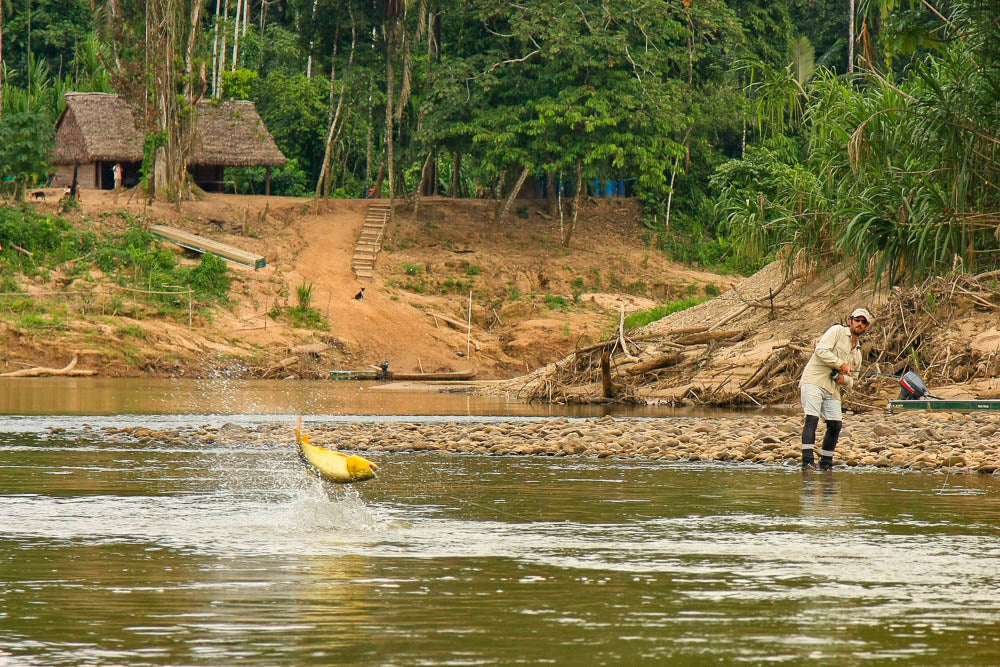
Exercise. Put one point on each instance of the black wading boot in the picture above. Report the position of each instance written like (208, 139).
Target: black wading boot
(808, 460)
(808, 441)
(829, 444)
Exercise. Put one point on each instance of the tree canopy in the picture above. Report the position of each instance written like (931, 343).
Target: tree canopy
(742, 123)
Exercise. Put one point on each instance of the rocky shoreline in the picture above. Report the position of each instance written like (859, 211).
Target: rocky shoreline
(945, 442)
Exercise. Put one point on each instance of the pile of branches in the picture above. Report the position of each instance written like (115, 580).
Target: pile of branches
(614, 370)
(910, 333)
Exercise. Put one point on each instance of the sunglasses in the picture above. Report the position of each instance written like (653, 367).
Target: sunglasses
(860, 320)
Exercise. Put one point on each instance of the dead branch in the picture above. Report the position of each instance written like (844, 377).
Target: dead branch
(710, 336)
(37, 371)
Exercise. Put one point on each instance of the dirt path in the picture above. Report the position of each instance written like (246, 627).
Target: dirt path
(377, 326)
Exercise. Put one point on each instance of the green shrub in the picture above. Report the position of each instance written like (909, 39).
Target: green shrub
(554, 301)
(210, 278)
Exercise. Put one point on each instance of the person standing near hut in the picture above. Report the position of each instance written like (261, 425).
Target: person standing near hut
(117, 171)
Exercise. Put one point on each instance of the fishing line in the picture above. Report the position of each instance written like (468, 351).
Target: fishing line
(487, 507)
(945, 483)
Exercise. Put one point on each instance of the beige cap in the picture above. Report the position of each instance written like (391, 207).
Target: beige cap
(863, 312)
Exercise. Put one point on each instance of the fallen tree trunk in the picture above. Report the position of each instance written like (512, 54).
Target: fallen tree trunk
(709, 336)
(281, 365)
(668, 359)
(38, 371)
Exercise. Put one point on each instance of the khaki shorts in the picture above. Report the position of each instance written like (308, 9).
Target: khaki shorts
(821, 403)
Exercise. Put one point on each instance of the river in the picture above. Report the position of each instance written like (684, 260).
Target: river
(202, 554)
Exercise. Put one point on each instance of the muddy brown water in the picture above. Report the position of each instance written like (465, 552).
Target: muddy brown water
(225, 553)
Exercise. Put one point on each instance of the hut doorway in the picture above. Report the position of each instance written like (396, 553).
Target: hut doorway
(131, 173)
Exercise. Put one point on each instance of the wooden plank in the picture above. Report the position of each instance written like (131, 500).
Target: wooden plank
(203, 245)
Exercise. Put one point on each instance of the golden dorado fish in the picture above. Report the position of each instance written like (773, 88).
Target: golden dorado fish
(333, 465)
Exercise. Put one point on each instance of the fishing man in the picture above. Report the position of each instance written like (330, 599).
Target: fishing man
(832, 365)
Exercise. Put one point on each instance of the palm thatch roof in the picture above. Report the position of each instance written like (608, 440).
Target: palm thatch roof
(96, 127)
(101, 127)
(232, 134)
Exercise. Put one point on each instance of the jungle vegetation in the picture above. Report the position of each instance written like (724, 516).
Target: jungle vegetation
(866, 130)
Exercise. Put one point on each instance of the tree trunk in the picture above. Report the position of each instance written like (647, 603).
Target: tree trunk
(322, 184)
(222, 51)
(420, 186)
(215, 52)
(571, 227)
(174, 39)
(428, 176)
(456, 169)
(513, 195)
(1, 60)
(192, 92)
(390, 49)
(850, 37)
(379, 179)
(551, 196)
(369, 141)
(236, 33)
(607, 384)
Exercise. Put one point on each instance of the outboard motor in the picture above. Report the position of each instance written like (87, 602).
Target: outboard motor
(913, 388)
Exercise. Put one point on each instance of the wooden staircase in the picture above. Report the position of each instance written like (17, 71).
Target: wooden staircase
(370, 241)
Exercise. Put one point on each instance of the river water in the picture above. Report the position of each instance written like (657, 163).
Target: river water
(224, 553)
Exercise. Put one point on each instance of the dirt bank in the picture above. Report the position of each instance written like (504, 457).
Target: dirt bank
(532, 300)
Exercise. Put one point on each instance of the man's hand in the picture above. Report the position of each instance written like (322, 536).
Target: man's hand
(845, 369)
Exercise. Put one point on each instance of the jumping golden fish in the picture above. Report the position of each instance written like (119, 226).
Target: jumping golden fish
(333, 465)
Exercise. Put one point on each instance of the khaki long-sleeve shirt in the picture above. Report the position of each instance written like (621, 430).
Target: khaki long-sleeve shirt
(833, 350)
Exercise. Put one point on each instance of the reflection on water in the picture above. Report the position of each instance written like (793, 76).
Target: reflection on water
(223, 554)
(111, 396)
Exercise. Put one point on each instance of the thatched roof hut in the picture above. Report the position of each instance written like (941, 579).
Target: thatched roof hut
(232, 134)
(98, 130)
(96, 127)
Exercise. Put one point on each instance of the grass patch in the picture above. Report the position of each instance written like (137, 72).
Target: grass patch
(303, 315)
(556, 302)
(133, 330)
(644, 317)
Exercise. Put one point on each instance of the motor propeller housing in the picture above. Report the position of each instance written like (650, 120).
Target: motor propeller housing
(912, 387)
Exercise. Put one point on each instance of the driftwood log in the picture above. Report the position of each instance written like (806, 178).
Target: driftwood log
(662, 361)
(310, 348)
(281, 365)
(710, 336)
(39, 371)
